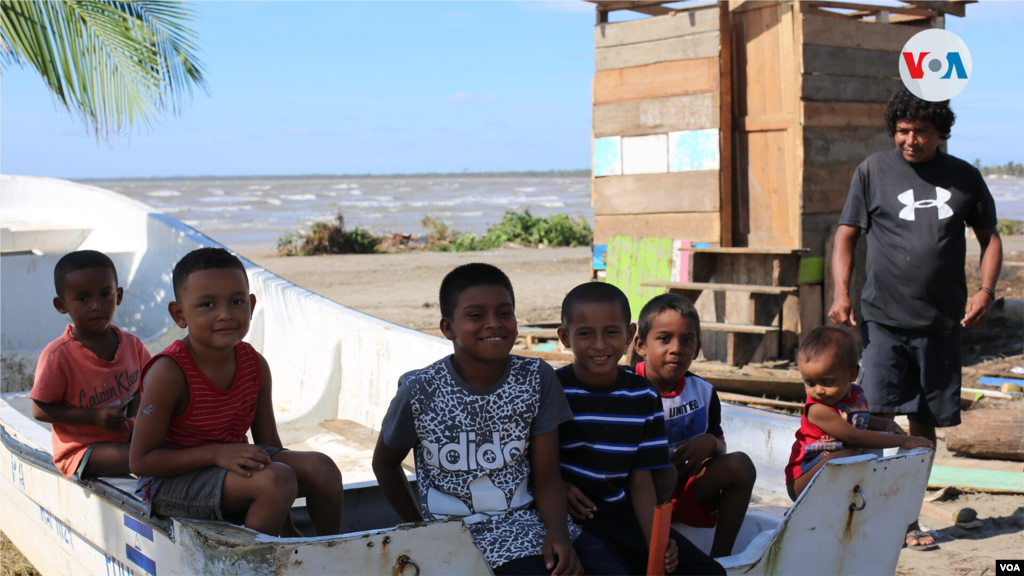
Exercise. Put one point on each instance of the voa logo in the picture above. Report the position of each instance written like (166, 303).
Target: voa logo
(935, 65)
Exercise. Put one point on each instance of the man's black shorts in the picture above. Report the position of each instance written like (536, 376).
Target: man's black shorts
(912, 372)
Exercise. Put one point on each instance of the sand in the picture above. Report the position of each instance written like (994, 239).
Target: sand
(402, 288)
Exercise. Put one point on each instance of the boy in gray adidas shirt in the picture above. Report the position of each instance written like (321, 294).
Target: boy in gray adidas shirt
(484, 427)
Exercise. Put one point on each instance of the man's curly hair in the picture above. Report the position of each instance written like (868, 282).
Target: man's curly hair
(905, 106)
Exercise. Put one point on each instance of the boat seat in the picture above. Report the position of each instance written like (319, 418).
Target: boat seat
(26, 238)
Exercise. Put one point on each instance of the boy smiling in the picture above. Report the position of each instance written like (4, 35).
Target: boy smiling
(201, 395)
(484, 427)
(616, 440)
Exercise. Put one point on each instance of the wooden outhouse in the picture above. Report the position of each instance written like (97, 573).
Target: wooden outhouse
(725, 136)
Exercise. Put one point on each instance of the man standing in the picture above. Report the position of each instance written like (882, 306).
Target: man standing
(912, 204)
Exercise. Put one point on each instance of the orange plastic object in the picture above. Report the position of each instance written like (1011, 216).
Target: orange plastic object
(659, 539)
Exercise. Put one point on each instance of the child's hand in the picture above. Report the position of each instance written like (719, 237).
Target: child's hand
(580, 507)
(241, 458)
(108, 418)
(688, 457)
(671, 557)
(917, 442)
(558, 546)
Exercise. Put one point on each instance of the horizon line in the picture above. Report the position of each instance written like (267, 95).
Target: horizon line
(542, 173)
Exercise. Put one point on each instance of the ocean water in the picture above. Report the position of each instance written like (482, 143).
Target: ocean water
(256, 211)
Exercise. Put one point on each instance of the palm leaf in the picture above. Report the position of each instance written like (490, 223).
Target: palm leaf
(114, 63)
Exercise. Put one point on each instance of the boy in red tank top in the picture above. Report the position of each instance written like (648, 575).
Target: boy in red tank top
(199, 398)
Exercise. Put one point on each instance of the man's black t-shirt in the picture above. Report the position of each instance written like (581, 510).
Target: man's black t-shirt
(913, 217)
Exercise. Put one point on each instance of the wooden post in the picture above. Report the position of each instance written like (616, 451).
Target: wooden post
(725, 122)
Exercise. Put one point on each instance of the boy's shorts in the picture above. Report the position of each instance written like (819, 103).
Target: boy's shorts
(911, 372)
(196, 494)
(81, 464)
(689, 510)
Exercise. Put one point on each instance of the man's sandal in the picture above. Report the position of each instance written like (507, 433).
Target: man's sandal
(918, 535)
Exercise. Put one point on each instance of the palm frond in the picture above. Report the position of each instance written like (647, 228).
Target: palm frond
(113, 63)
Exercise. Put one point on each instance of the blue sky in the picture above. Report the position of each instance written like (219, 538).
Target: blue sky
(399, 87)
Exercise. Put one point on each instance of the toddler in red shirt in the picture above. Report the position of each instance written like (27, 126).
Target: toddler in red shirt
(835, 421)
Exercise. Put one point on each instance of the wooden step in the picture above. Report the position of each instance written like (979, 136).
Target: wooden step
(745, 250)
(750, 288)
(737, 328)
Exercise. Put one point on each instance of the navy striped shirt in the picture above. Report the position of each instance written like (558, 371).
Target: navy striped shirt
(615, 429)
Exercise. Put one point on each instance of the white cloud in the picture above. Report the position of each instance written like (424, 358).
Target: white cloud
(570, 6)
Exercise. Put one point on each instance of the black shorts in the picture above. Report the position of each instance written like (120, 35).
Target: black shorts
(912, 372)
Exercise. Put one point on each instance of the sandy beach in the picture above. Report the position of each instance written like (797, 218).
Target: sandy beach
(402, 288)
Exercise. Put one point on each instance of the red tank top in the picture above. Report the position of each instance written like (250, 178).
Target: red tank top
(812, 441)
(214, 415)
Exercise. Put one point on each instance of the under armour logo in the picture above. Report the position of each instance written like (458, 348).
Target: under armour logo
(941, 196)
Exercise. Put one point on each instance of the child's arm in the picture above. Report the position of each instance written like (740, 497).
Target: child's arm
(549, 494)
(836, 426)
(665, 480)
(642, 496)
(264, 425)
(387, 467)
(165, 389)
(884, 425)
(57, 413)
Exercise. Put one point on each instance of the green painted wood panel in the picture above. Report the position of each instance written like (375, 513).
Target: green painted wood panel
(632, 261)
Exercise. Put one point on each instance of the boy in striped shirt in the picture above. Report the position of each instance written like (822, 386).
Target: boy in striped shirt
(617, 435)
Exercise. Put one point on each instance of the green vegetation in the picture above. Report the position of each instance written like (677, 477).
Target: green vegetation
(114, 63)
(1008, 227)
(328, 238)
(1011, 168)
(523, 229)
(519, 228)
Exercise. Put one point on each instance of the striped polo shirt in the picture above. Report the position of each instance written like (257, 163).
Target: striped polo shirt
(615, 429)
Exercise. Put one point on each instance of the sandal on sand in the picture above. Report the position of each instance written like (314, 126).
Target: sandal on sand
(918, 535)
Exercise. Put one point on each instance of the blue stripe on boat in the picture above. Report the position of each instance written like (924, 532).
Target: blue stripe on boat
(140, 559)
(138, 527)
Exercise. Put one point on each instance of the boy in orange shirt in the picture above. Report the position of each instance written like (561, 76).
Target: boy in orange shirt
(86, 379)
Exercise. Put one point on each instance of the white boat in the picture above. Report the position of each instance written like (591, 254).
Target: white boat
(335, 372)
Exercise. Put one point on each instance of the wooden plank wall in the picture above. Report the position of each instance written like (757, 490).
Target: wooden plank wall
(849, 70)
(657, 124)
(765, 103)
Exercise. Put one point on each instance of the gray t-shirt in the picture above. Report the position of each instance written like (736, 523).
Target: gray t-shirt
(913, 217)
(472, 449)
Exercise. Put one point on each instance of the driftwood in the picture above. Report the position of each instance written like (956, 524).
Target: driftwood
(990, 433)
